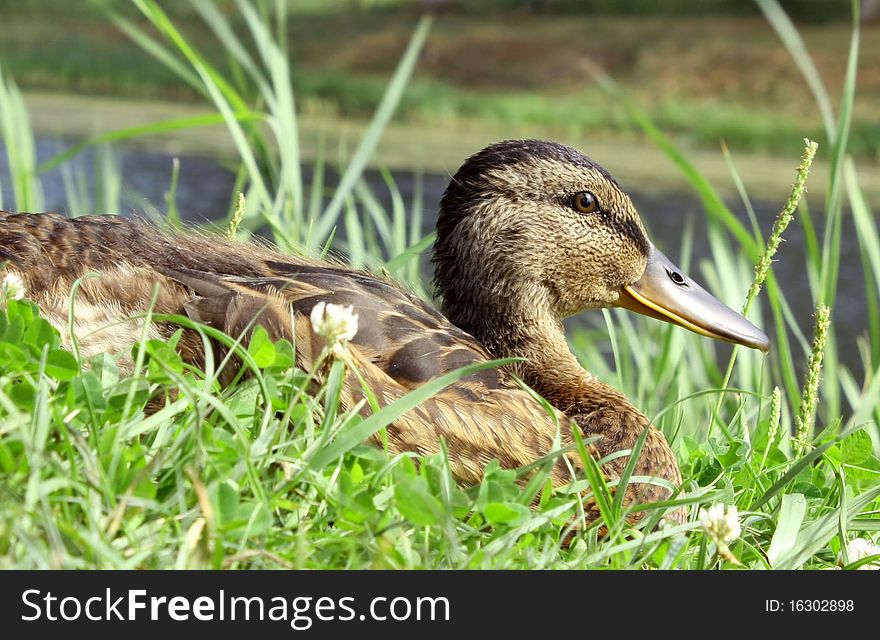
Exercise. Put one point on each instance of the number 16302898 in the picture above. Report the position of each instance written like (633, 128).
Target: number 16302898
(814, 606)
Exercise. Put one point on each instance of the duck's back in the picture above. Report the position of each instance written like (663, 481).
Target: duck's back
(207, 277)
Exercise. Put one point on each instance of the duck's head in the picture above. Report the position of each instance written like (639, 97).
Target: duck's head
(530, 229)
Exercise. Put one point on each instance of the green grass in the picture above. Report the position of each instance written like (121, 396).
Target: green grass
(263, 473)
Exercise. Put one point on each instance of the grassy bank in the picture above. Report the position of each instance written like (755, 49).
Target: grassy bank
(267, 473)
(702, 78)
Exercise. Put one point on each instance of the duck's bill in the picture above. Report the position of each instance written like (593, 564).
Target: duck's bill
(666, 293)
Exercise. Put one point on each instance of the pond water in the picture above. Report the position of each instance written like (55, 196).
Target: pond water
(205, 186)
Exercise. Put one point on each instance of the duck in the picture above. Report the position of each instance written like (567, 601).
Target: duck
(529, 232)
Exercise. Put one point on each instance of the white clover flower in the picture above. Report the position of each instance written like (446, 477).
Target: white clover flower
(12, 287)
(858, 549)
(336, 323)
(720, 522)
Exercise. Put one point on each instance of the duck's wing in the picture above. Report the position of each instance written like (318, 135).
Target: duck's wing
(397, 332)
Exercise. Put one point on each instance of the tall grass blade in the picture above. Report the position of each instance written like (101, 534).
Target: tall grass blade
(372, 135)
(18, 137)
(791, 515)
(790, 36)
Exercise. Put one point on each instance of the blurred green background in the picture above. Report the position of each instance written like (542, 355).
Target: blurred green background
(705, 70)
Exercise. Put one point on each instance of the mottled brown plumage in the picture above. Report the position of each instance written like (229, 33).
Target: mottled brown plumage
(512, 259)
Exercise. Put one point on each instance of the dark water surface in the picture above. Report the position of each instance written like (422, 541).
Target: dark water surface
(205, 186)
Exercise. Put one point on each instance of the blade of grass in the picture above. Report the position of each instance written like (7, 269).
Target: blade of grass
(370, 139)
(790, 36)
(791, 515)
(138, 131)
(354, 436)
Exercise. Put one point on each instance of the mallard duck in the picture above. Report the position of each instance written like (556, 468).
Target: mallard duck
(529, 232)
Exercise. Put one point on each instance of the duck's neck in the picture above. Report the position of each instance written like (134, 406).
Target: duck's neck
(523, 326)
(529, 330)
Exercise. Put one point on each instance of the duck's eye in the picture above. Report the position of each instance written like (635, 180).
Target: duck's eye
(585, 202)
